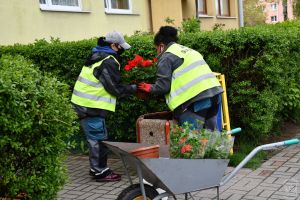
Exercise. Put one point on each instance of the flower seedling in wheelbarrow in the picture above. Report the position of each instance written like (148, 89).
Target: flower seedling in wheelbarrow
(195, 144)
(219, 145)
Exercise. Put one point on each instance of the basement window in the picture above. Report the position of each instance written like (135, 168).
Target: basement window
(61, 5)
(274, 18)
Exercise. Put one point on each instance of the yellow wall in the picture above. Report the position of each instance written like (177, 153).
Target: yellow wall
(23, 21)
(208, 22)
(161, 9)
(188, 9)
(184, 9)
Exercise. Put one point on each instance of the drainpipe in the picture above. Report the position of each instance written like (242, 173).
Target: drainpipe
(150, 15)
(241, 13)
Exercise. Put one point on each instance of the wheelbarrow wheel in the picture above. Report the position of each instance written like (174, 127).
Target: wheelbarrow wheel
(134, 192)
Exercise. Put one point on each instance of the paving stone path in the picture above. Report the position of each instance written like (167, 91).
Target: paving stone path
(277, 178)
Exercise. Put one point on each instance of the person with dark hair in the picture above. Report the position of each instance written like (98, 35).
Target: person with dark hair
(94, 96)
(191, 89)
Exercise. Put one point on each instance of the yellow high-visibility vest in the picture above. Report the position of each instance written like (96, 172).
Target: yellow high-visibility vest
(189, 79)
(89, 92)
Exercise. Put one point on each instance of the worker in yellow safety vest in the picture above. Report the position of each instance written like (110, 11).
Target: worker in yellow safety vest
(94, 96)
(191, 89)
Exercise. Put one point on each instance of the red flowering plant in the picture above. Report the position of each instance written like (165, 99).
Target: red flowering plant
(187, 143)
(196, 144)
(140, 70)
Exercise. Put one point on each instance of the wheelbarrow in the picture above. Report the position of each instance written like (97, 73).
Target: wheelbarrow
(176, 176)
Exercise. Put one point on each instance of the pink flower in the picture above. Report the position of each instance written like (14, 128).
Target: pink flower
(138, 59)
(147, 63)
(182, 140)
(127, 67)
(186, 148)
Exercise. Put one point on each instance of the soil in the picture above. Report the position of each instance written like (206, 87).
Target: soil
(288, 131)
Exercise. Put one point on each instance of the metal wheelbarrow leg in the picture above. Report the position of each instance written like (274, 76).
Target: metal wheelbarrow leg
(137, 191)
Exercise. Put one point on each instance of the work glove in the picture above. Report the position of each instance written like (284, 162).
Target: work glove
(146, 87)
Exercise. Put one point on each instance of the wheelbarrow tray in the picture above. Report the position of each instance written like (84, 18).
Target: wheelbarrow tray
(176, 176)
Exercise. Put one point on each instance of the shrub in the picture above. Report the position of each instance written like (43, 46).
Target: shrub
(261, 66)
(36, 118)
(190, 25)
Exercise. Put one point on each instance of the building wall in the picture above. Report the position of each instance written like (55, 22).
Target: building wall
(279, 12)
(290, 11)
(211, 19)
(184, 9)
(188, 9)
(271, 12)
(162, 9)
(24, 21)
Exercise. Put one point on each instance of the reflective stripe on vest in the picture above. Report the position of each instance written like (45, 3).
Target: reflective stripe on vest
(89, 92)
(191, 78)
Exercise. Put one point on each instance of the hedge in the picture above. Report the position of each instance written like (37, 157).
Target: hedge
(261, 66)
(36, 119)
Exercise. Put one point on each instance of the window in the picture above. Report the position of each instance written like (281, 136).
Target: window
(118, 6)
(274, 18)
(222, 7)
(202, 9)
(61, 5)
(274, 6)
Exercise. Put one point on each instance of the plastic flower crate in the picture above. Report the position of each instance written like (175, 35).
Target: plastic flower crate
(146, 152)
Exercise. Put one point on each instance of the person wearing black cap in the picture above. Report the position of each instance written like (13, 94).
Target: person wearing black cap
(94, 96)
(191, 89)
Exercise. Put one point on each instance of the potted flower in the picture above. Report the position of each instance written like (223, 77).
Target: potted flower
(140, 70)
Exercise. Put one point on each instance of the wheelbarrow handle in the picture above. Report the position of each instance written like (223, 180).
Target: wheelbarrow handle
(291, 142)
(234, 131)
(253, 153)
(279, 144)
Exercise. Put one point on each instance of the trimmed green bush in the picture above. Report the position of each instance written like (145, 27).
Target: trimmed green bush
(261, 65)
(36, 119)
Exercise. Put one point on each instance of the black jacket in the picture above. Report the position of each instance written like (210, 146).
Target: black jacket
(109, 75)
(166, 64)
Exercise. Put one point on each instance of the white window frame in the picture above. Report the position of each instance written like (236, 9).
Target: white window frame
(109, 9)
(49, 6)
(274, 6)
(219, 8)
(205, 8)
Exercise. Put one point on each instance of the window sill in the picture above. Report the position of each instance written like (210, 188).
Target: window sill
(70, 11)
(225, 17)
(117, 13)
(205, 16)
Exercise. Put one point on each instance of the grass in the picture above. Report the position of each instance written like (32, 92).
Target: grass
(243, 149)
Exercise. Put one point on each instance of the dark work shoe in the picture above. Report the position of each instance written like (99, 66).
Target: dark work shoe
(92, 172)
(107, 175)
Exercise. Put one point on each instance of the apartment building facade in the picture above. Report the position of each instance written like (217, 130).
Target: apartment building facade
(278, 10)
(69, 20)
